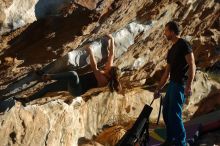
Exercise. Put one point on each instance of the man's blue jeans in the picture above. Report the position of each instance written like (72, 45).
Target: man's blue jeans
(172, 114)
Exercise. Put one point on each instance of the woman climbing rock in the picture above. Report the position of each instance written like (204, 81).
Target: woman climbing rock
(78, 85)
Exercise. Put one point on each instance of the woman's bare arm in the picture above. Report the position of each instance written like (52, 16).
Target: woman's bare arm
(102, 81)
(92, 59)
(111, 48)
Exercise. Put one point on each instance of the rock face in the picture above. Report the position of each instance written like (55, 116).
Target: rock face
(21, 12)
(51, 35)
(54, 121)
(18, 13)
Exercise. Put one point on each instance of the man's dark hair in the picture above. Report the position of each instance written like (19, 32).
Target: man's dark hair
(173, 26)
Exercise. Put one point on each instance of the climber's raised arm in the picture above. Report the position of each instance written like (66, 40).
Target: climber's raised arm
(99, 75)
(92, 59)
(111, 48)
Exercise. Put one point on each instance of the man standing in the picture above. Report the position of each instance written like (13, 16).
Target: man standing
(181, 70)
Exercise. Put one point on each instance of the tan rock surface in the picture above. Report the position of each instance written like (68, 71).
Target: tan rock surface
(51, 121)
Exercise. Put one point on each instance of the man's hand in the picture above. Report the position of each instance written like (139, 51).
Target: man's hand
(157, 94)
(187, 101)
(188, 91)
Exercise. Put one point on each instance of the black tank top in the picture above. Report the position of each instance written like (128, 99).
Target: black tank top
(88, 81)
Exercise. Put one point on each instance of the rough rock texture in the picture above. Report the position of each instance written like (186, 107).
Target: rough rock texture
(17, 13)
(54, 120)
(57, 123)
(208, 104)
(35, 44)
